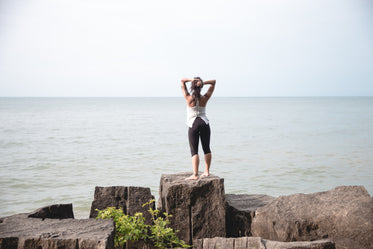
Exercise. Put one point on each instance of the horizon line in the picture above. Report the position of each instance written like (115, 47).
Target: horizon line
(290, 96)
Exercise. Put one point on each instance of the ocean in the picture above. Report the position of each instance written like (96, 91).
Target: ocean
(56, 150)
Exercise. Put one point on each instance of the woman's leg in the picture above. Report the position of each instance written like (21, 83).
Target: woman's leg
(195, 163)
(207, 165)
(193, 136)
(205, 139)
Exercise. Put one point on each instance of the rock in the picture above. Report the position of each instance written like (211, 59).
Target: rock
(197, 207)
(58, 211)
(138, 244)
(215, 243)
(240, 210)
(21, 232)
(258, 243)
(343, 214)
(130, 199)
(317, 244)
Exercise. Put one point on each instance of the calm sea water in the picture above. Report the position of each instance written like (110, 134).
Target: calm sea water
(56, 150)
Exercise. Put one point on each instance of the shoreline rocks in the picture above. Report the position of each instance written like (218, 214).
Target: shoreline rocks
(206, 217)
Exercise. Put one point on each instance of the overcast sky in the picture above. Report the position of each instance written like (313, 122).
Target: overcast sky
(144, 48)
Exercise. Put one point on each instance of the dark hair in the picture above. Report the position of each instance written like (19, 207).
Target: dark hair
(196, 90)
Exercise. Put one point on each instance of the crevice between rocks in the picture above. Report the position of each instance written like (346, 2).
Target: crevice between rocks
(263, 243)
(190, 226)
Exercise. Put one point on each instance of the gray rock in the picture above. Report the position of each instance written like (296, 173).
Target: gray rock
(258, 243)
(137, 196)
(343, 214)
(115, 196)
(317, 244)
(240, 210)
(197, 207)
(138, 244)
(21, 232)
(57, 211)
(130, 199)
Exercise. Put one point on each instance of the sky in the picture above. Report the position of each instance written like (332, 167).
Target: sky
(122, 48)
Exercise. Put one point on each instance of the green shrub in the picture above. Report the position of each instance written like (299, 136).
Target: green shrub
(133, 228)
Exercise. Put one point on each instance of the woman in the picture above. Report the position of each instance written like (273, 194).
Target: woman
(198, 122)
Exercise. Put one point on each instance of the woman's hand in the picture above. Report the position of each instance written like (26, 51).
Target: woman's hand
(198, 82)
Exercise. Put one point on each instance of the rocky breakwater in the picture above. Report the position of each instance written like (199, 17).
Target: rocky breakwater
(343, 214)
(53, 227)
(197, 207)
(339, 218)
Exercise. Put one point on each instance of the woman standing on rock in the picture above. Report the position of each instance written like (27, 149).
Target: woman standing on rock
(198, 122)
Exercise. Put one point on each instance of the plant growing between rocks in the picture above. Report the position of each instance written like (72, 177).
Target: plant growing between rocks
(133, 228)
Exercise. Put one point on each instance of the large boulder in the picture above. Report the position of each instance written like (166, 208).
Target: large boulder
(21, 231)
(130, 199)
(197, 207)
(259, 243)
(240, 210)
(343, 214)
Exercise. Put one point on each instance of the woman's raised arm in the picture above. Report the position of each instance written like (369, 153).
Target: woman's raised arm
(184, 89)
(211, 89)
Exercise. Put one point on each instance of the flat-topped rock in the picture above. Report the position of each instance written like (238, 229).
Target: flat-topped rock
(259, 243)
(197, 206)
(240, 210)
(343, 214)
(21, 232)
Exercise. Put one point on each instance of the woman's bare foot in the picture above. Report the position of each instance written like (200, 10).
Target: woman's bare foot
(192, 177)
(206, 174)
